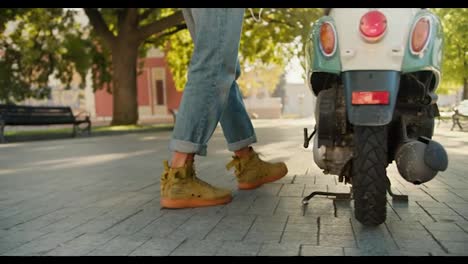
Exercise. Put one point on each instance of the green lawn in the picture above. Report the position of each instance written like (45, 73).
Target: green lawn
(95, 131)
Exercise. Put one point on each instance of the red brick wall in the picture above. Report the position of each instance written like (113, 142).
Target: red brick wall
(103, 99)
(142, 88)
(173, 96)
(103, 102)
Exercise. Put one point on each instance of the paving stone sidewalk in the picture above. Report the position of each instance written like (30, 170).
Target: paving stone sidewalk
(100, 196)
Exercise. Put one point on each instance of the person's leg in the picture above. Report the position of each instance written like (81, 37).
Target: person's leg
(211, 73)
(250, 170)
(180, 158)
(235, 121)
(212, 70)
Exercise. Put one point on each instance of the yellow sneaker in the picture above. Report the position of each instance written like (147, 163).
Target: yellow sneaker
(180, 188)
(252, 172)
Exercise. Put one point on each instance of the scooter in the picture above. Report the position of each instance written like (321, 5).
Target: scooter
(374, 72)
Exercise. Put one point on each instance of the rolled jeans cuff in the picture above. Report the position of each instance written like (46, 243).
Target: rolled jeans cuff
(242, 143)
(187, 147)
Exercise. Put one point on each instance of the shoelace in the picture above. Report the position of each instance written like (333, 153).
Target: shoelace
(236, 163)
(174, 176)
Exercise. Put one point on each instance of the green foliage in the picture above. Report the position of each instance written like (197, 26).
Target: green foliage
(8, 14)
(270, 42)
(279, 35)
(259, 77)
(45, 43)
(455, 61)
(49, 42)
(178, 53)
(35, 50)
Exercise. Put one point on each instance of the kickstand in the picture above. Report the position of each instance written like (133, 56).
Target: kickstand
(397, 197)
(338, 196)
(348, 196)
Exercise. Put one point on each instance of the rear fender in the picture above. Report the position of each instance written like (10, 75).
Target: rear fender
(367, 81)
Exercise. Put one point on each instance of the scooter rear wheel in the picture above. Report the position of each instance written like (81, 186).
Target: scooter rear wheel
(369, 174)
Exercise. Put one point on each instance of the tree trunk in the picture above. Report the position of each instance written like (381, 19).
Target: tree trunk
(124, 49)
(124, 83)
(465, 90)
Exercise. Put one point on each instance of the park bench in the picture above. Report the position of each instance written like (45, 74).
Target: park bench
(16, 115)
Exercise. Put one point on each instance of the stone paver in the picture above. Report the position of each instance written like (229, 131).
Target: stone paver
(119, 246)
(195, 247)
(280, 249)
(157, 247)
(238, 249)
(81, 245)
(307, 250)
(99, 196)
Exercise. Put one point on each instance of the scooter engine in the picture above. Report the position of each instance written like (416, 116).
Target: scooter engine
(332, 146)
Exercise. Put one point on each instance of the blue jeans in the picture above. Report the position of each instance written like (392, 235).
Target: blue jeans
(211, 94)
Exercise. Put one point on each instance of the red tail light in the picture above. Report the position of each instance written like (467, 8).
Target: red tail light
(370, 98)
(327, 39)
(373, 25)
(420, 35)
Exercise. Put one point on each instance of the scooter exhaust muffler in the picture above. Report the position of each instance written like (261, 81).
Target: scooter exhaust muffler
(419, 161)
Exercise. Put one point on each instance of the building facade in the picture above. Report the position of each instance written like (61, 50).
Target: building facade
(157, 93)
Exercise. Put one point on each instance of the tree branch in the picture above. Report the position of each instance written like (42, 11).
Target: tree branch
(177, 29)
(279, 21)
(132, 17)
(160, 25)
(268, 19)
(100, 25)
(121, 14)
(146, 14)
(127, 20)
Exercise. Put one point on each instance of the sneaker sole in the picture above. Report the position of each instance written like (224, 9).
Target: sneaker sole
(193, 203)
(255, 185)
